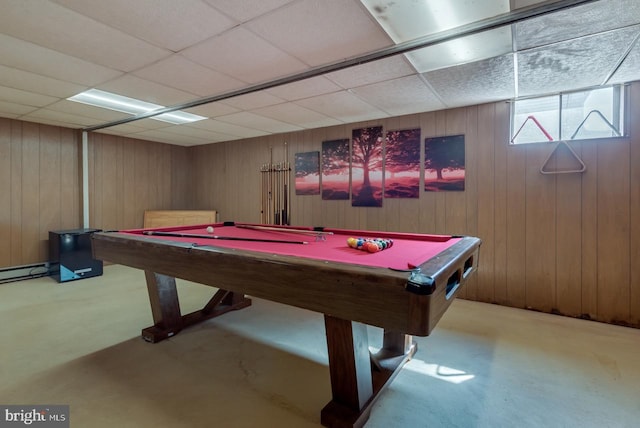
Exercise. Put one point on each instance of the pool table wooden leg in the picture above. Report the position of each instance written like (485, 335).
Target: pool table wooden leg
(357, 376)
(165, 307)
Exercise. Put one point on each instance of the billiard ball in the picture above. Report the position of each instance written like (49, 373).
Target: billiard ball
(209, 229)
(373, 247)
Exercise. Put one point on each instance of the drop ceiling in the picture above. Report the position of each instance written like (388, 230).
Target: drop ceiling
(274, 53)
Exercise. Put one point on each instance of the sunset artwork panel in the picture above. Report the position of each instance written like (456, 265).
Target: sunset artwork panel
(402, 164)
(335, 169)
(366, 167)
(307, 174)
(444, 159)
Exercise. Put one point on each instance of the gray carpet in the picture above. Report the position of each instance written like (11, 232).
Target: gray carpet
(266, 366)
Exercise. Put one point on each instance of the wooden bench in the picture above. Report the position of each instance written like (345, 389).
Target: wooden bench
(165, 218)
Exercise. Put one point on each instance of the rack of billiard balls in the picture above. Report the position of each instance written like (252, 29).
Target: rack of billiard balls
(372, 245)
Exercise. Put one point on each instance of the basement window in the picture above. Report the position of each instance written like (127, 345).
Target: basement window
(583, 115)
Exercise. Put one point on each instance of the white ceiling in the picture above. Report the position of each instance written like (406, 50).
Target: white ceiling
(175, 52)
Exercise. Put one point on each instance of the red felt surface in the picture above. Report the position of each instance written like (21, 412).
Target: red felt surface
(407, 252)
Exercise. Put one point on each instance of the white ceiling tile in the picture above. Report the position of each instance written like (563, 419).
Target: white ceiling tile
(19, 96)
(253, 100)
(203, 134)
(169, 137)
(150, 124)
(576, 22)
(472, 48)
(169, 24)
(47, 62)
(145, 90)
(629, 70)
(372, 72)
(212, 109)
(45, 121)
(255, 121)
(112, 131)
(73, 34)
(229, 128)
(305, 88)
(475, 83)
(408, 20)
(574, 64)
(138, 125)
(401, 96)
(245, 56)
(297, 115)
(19, 79)
(342, 106)
(70, 120)
(8, 109)
(322, 32)
(124, 129)
(178, 72)
(246, 10)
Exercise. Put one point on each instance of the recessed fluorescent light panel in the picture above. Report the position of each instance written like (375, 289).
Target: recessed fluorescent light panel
(103, 99)
(410, 20)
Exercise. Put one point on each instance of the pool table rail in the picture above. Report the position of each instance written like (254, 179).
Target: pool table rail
(374, 296)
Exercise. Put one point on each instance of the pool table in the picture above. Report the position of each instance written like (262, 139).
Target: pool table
(404, 288)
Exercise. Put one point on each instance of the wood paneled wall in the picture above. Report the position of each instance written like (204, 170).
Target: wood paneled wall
(130, 176)
(563, 243)
(41, 177)
(39, 188)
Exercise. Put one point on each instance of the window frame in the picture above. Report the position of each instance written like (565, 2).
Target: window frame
(620, 115)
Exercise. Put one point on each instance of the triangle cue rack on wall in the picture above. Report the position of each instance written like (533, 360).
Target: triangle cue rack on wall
(581, 169)
(604, 119)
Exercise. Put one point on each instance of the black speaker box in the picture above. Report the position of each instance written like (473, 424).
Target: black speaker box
(70, 255)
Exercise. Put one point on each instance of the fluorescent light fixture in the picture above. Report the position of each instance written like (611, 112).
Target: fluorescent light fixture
(103, 99)
(476, 47)
(404, 21)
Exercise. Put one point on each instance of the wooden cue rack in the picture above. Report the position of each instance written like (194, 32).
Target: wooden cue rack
(275, 194)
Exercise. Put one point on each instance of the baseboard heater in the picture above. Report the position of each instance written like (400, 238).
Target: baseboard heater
(18, 273)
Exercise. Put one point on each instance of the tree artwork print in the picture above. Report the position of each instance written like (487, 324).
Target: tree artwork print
(444, 163)
(402, 164)
(307, 173)
(335, 169)
(366, 167)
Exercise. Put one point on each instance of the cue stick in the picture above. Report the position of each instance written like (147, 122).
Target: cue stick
(285, 187)
(281, 222)
(289, 192)
(288, 187)
(262, 194)
(268, 193)
(265, 191)
(280, 193)
(270, 186)
(277, 193)
(284, 205)
(226, 238)
(286, 230)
